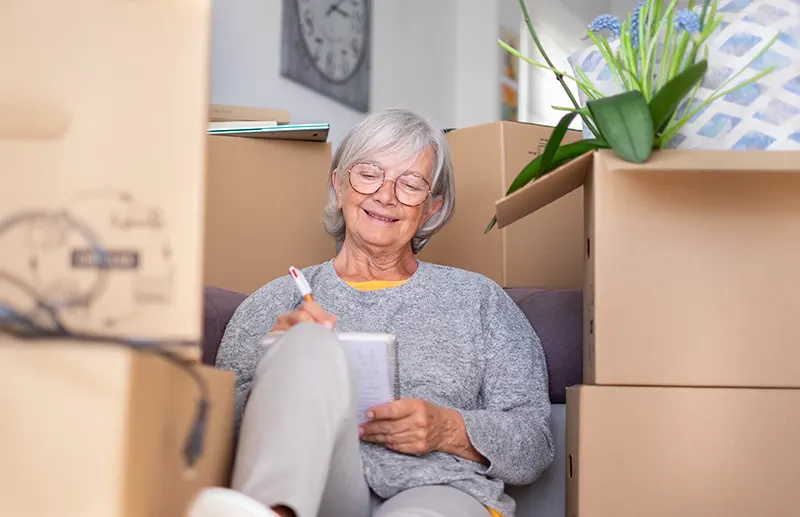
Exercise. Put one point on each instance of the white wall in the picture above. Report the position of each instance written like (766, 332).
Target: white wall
(560, 27)
(413, 57)
(477, 63)
(246, 36)
(412, 61)
(437, 56)
(509, 12)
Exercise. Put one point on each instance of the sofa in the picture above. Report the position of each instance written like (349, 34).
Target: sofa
(557, 317)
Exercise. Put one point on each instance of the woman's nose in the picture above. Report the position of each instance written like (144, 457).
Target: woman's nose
(385, 194)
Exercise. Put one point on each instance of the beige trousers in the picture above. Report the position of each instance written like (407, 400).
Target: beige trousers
(299, 444)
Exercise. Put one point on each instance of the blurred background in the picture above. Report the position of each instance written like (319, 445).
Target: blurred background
(437, 56)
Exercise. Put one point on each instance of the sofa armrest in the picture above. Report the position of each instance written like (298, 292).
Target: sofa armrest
(219, 306)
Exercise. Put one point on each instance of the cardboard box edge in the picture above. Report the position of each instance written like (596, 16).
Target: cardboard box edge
(543, 191)
(536, 195)
(708, 160)
(571, 472)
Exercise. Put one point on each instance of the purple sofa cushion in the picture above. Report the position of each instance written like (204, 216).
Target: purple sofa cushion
(555, 314)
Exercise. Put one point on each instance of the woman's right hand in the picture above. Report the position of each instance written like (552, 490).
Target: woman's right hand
(309, 311)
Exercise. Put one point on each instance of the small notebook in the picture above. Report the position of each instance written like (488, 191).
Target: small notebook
(305, 132)
(373, 360)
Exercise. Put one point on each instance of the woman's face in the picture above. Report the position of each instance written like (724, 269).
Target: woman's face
(380, 219)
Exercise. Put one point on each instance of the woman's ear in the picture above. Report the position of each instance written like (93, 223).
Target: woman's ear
(435, 206)
(336, 188)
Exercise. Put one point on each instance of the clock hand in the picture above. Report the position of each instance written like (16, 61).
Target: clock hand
(333, 7)
(342, 12)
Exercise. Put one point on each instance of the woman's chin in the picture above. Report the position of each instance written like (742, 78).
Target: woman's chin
(380, 239)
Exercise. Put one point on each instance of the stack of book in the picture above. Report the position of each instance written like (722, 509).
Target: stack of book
(222, 116)
(258, 122)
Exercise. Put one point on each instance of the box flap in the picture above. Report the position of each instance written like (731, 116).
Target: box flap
(499, 123)
(543, 191)
(707, 161)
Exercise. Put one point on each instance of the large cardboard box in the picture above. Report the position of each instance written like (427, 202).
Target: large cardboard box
(102, 158)
(264, 210)
(691, 265)
(692, 452)
(100, 431)
(544, 250)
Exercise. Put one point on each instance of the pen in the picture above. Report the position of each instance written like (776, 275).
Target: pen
(302, 284)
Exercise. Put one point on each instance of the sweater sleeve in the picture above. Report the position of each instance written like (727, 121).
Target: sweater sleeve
(511, 427)
(240, 348)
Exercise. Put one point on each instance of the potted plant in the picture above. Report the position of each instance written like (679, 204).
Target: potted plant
(658, 59)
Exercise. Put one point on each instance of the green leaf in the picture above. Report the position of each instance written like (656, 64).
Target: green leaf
(491, 225)
(625, 122)
(555, 140)
(668, 98)
(706, 4)
(534, 169)
(562, 155)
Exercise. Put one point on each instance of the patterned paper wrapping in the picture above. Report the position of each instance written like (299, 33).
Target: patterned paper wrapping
(762, 115)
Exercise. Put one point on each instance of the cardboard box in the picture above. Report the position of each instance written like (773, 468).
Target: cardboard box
(99, 431)
(693, 452)
(691, 265)
(544, 250)
(264, 210)
(233, 113)
(102, 148)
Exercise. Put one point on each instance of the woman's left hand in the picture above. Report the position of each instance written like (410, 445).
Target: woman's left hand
(411, 426)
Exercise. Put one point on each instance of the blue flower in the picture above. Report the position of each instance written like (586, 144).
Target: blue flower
(606, 22)
(688, 21)
(635, 25)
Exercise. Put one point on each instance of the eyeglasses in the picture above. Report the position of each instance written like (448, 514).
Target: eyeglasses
(410, 189)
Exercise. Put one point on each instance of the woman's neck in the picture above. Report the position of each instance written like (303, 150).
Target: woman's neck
(355, 265)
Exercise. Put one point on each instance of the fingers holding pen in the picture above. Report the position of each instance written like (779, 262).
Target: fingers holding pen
(310, 311)
(318, 314)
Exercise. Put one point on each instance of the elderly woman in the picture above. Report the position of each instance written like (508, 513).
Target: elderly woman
(473, 412)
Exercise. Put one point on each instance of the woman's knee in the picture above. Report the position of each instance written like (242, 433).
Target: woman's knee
(309, 350)
(311, 339)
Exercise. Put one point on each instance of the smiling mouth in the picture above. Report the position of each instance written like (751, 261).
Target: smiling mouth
(380, 217)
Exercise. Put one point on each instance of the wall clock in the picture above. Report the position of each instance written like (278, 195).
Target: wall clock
(326, 46)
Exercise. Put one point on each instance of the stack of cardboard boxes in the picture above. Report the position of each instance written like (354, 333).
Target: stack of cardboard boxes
(100, 430)
(543, 250)
(691, 401)
(102, 147)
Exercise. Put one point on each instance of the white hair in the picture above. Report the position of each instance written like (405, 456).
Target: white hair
(406, 133)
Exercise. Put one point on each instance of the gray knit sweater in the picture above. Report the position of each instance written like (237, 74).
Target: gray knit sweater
(462, 343)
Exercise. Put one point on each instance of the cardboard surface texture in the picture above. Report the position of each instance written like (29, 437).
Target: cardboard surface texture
(228, 113)
(264, 210)
(690, 265)
(693, 452)
(99, 431)
(544, 250)
(102, 147)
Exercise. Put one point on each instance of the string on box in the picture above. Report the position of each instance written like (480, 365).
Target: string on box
(45, 323)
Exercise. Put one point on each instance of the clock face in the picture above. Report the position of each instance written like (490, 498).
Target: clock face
(334, 33)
